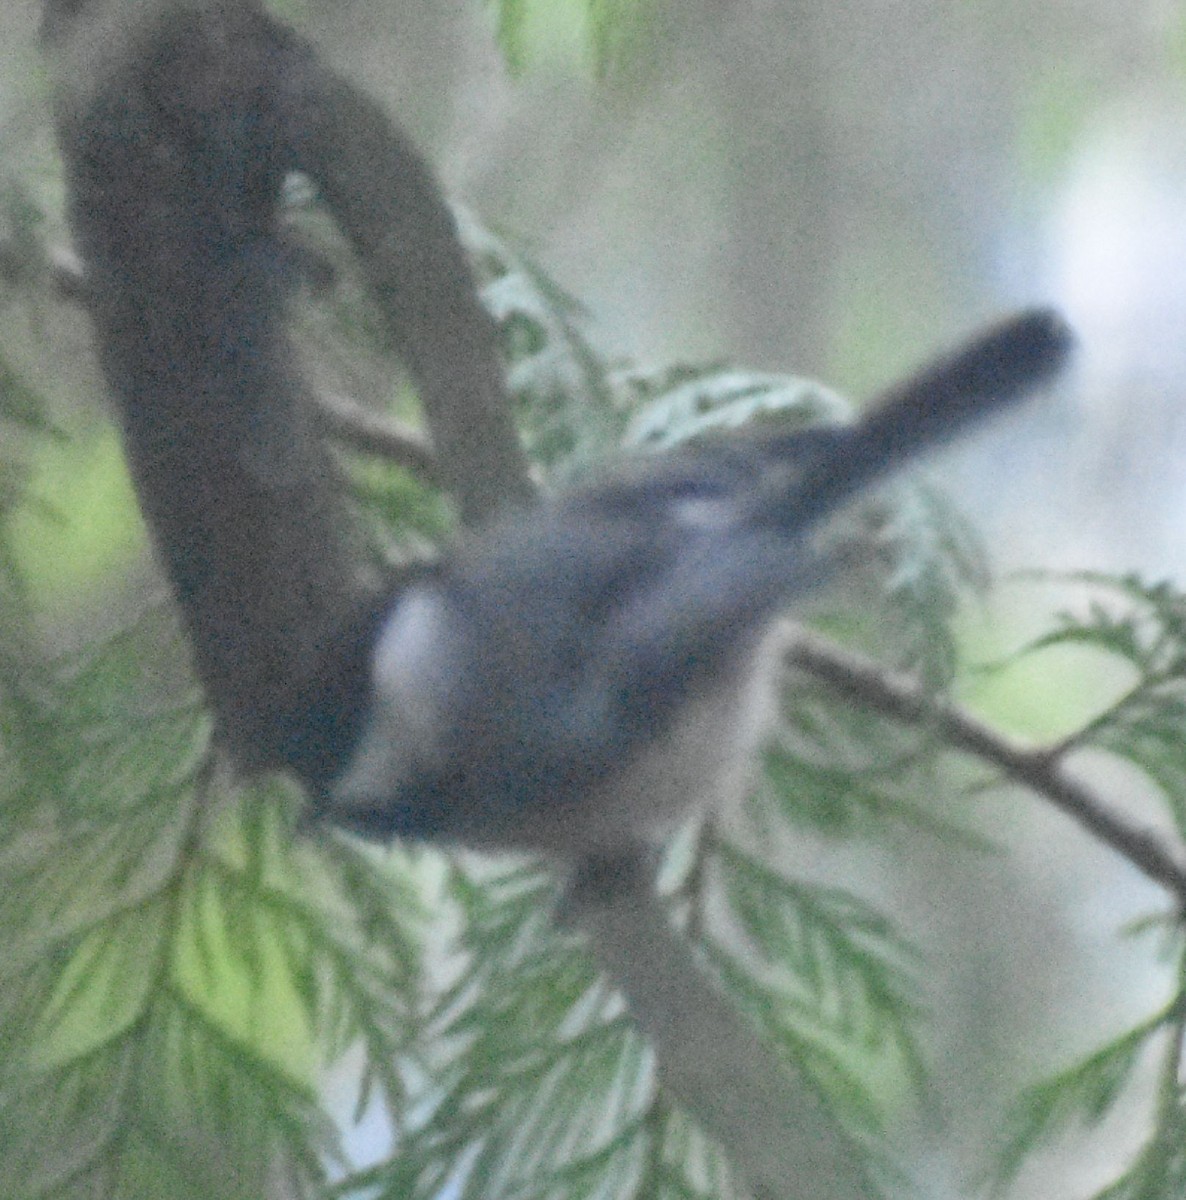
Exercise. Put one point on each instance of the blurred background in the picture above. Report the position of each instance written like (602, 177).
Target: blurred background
(835, 189)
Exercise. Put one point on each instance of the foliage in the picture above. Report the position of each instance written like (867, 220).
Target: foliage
(532, 1081)
(1143, 627)
(182, 965)
(182, 968)
(559, 384)
(613, 30)
(176, 966)
(174, 972)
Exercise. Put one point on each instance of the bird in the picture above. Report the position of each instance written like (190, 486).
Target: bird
(588, 671)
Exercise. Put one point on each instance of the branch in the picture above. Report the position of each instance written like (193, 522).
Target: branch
(386, 202)
(769, 1119)
(373, 433)
(175, 152)
(342, 417)
(1041, 770)
(176, 147)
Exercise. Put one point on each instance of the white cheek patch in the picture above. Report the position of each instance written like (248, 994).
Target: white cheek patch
(412, 659)
(412, 674)
(705, 512)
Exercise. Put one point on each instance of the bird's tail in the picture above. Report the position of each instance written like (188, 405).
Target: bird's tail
(996, 369)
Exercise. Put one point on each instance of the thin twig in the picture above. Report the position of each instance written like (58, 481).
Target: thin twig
(370, 432)
(1040, 769)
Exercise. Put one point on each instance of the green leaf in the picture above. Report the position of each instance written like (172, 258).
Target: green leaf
(564, 393)
(1084, 1093)
(688, 404)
